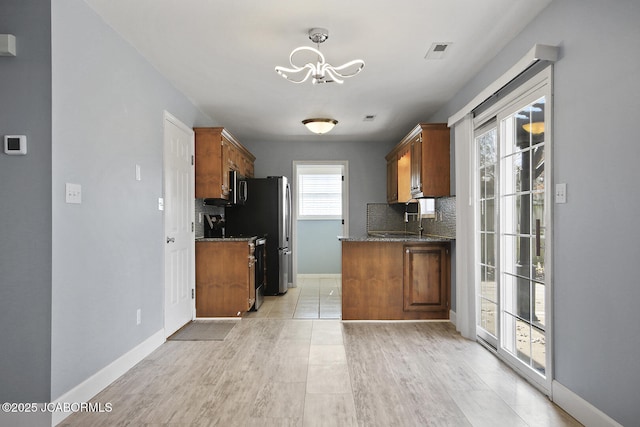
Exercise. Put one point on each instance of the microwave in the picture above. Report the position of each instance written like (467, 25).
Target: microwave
(237, 188)
(237, 192)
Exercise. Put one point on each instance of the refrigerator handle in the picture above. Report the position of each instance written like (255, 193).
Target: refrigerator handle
(288, 219)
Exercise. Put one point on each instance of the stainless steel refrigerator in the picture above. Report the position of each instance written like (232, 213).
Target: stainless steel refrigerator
(266, 212)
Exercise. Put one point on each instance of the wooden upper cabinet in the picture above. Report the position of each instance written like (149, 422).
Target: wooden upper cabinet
(217, 153)
(423, 165)
(392, 178)
(208, 163)
(249, 168)
(227, 163)
(435, 165)
(415, 146)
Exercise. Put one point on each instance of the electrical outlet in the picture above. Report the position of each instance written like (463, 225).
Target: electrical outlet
(138, 316)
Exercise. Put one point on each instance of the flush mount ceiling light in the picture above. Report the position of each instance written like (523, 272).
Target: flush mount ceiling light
(535, 128)
(319, 126)
(320, 71)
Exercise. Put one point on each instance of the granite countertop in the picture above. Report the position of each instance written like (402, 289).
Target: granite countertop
(226, 239)
(395, 236)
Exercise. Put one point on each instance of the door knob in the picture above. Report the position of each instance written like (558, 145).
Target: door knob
(171, 239)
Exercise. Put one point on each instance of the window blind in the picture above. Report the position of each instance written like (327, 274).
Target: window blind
(320, 195)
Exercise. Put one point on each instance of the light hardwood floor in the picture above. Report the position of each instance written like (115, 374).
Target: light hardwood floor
(274, 369)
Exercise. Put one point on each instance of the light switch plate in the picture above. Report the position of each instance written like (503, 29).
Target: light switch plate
(73, 193)
(561, 193)
(7, 45)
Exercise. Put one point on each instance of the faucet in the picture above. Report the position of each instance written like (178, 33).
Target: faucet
(406, 214)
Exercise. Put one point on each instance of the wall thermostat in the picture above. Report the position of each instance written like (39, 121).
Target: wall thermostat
(15, 144)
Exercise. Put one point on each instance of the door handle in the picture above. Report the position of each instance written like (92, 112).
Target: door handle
(171, 239)
(537, 237)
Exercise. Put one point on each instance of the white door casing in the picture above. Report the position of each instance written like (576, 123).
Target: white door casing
(179, 243)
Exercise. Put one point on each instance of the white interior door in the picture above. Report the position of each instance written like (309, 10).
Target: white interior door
(179, 243)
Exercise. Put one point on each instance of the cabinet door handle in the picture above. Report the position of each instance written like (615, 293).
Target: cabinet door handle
(537, 237)
(171, 239)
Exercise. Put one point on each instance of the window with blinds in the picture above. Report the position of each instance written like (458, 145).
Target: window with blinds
(320, 192)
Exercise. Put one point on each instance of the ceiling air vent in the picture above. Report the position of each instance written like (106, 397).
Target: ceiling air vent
(438, 50)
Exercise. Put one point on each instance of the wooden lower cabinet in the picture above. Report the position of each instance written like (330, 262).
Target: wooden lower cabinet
(426, 278)
(395, 280)
(225, 278)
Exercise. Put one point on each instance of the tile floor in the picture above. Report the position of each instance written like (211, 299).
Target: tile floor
(315, 297)
(274, 369)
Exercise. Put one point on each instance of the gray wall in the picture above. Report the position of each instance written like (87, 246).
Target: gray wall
(596, 149)
(108, 107)
(367, 183)
(25, 194)
(367, 169)
(319, 251)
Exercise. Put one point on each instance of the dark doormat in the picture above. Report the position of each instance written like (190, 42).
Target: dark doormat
(204, 330)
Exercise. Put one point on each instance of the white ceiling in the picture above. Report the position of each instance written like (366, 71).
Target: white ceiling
(222, 55)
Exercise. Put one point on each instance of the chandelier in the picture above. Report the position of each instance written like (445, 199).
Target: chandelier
(321, 71)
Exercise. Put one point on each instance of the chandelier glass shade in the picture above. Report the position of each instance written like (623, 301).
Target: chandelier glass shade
(320, 71)
(319, 126)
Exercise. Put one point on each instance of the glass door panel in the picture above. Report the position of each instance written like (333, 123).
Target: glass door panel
(522, 231)
(487, 289)
(513, 227)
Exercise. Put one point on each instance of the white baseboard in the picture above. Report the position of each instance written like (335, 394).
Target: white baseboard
(320, 276)
(397, 321)
(579, 408)
(452, 317)
(84, 391)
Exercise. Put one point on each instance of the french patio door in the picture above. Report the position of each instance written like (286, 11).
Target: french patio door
(513, 193)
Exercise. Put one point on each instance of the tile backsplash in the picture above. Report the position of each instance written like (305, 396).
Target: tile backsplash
(201, 208)
(385, 217)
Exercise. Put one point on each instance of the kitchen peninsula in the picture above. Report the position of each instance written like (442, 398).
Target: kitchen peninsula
(395, 277)
(401, 273)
